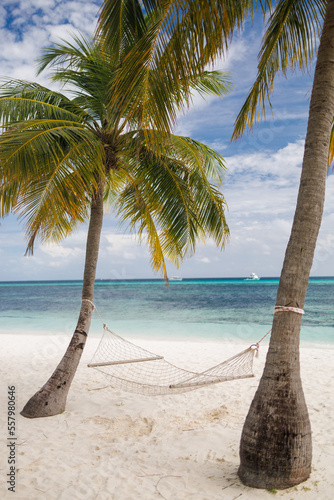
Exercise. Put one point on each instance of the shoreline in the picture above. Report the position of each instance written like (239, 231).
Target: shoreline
(95, 336)
(110, 444)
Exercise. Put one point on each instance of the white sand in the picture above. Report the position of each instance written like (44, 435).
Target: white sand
(114, 445)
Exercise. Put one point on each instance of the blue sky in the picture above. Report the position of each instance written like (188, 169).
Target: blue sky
(261, 183)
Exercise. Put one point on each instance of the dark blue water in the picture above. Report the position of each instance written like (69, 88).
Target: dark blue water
(232, 309)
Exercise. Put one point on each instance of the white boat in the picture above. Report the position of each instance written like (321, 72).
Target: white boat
(176, 278)
(252, 277)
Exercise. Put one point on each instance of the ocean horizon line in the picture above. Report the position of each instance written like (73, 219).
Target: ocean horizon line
(158, 280)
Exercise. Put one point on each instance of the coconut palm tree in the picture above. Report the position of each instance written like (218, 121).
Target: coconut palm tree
(275, 448)
(62, 157)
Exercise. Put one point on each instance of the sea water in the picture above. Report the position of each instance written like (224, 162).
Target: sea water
(195, 309)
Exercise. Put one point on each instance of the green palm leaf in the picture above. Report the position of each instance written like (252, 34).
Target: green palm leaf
(21, 100)
(170, 200)
(290, 41)
(158, 71)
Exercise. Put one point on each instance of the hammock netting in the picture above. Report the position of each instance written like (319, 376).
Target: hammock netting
(134, 369)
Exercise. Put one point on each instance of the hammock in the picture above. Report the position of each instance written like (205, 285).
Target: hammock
(134, 369)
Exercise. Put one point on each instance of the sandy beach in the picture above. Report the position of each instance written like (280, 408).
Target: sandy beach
(109, 444)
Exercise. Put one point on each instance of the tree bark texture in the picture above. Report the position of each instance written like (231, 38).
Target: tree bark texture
(276, 447)
(51, 398)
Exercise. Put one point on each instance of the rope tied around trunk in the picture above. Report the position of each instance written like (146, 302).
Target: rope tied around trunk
(97, 312)
(296, 310)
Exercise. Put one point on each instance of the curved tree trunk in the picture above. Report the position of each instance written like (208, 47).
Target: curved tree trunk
(276, 448)
(51, 398)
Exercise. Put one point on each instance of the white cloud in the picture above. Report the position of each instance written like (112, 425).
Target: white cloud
(205, 260)
(262, 186)
(2, 17)
(60, 252)
(284, 164)
(120, 243)
(35, 24)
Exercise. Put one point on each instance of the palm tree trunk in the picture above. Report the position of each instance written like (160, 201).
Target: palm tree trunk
(276, 447)
(51, 398)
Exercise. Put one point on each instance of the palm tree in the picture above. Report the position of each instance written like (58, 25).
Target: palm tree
(61, 158)
(275, 448)
(276, 445)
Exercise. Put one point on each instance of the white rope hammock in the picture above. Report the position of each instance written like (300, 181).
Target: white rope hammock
(134, 369)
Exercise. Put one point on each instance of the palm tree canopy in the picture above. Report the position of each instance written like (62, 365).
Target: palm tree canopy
(56, 149)
(206, 27)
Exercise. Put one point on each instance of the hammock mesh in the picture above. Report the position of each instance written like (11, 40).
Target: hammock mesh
(134, 369)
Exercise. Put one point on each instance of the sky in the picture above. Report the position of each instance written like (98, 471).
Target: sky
(260, 186)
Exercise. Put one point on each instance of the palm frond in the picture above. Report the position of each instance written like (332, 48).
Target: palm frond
(212, 83)
(199, 155)
(24, 146)
(170, 199)
(290, 41)
(123, 23)
(49, 171)
(204, 166)
(182, 37)
(50, 212)
(67, 54)
(134, 210)
(165, 193)
(21, 100)
(87, 68)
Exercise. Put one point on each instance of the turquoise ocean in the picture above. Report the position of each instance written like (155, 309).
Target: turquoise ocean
(192, 309)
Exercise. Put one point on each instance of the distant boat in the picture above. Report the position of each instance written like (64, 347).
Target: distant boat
(252, 277)
(176, 278)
